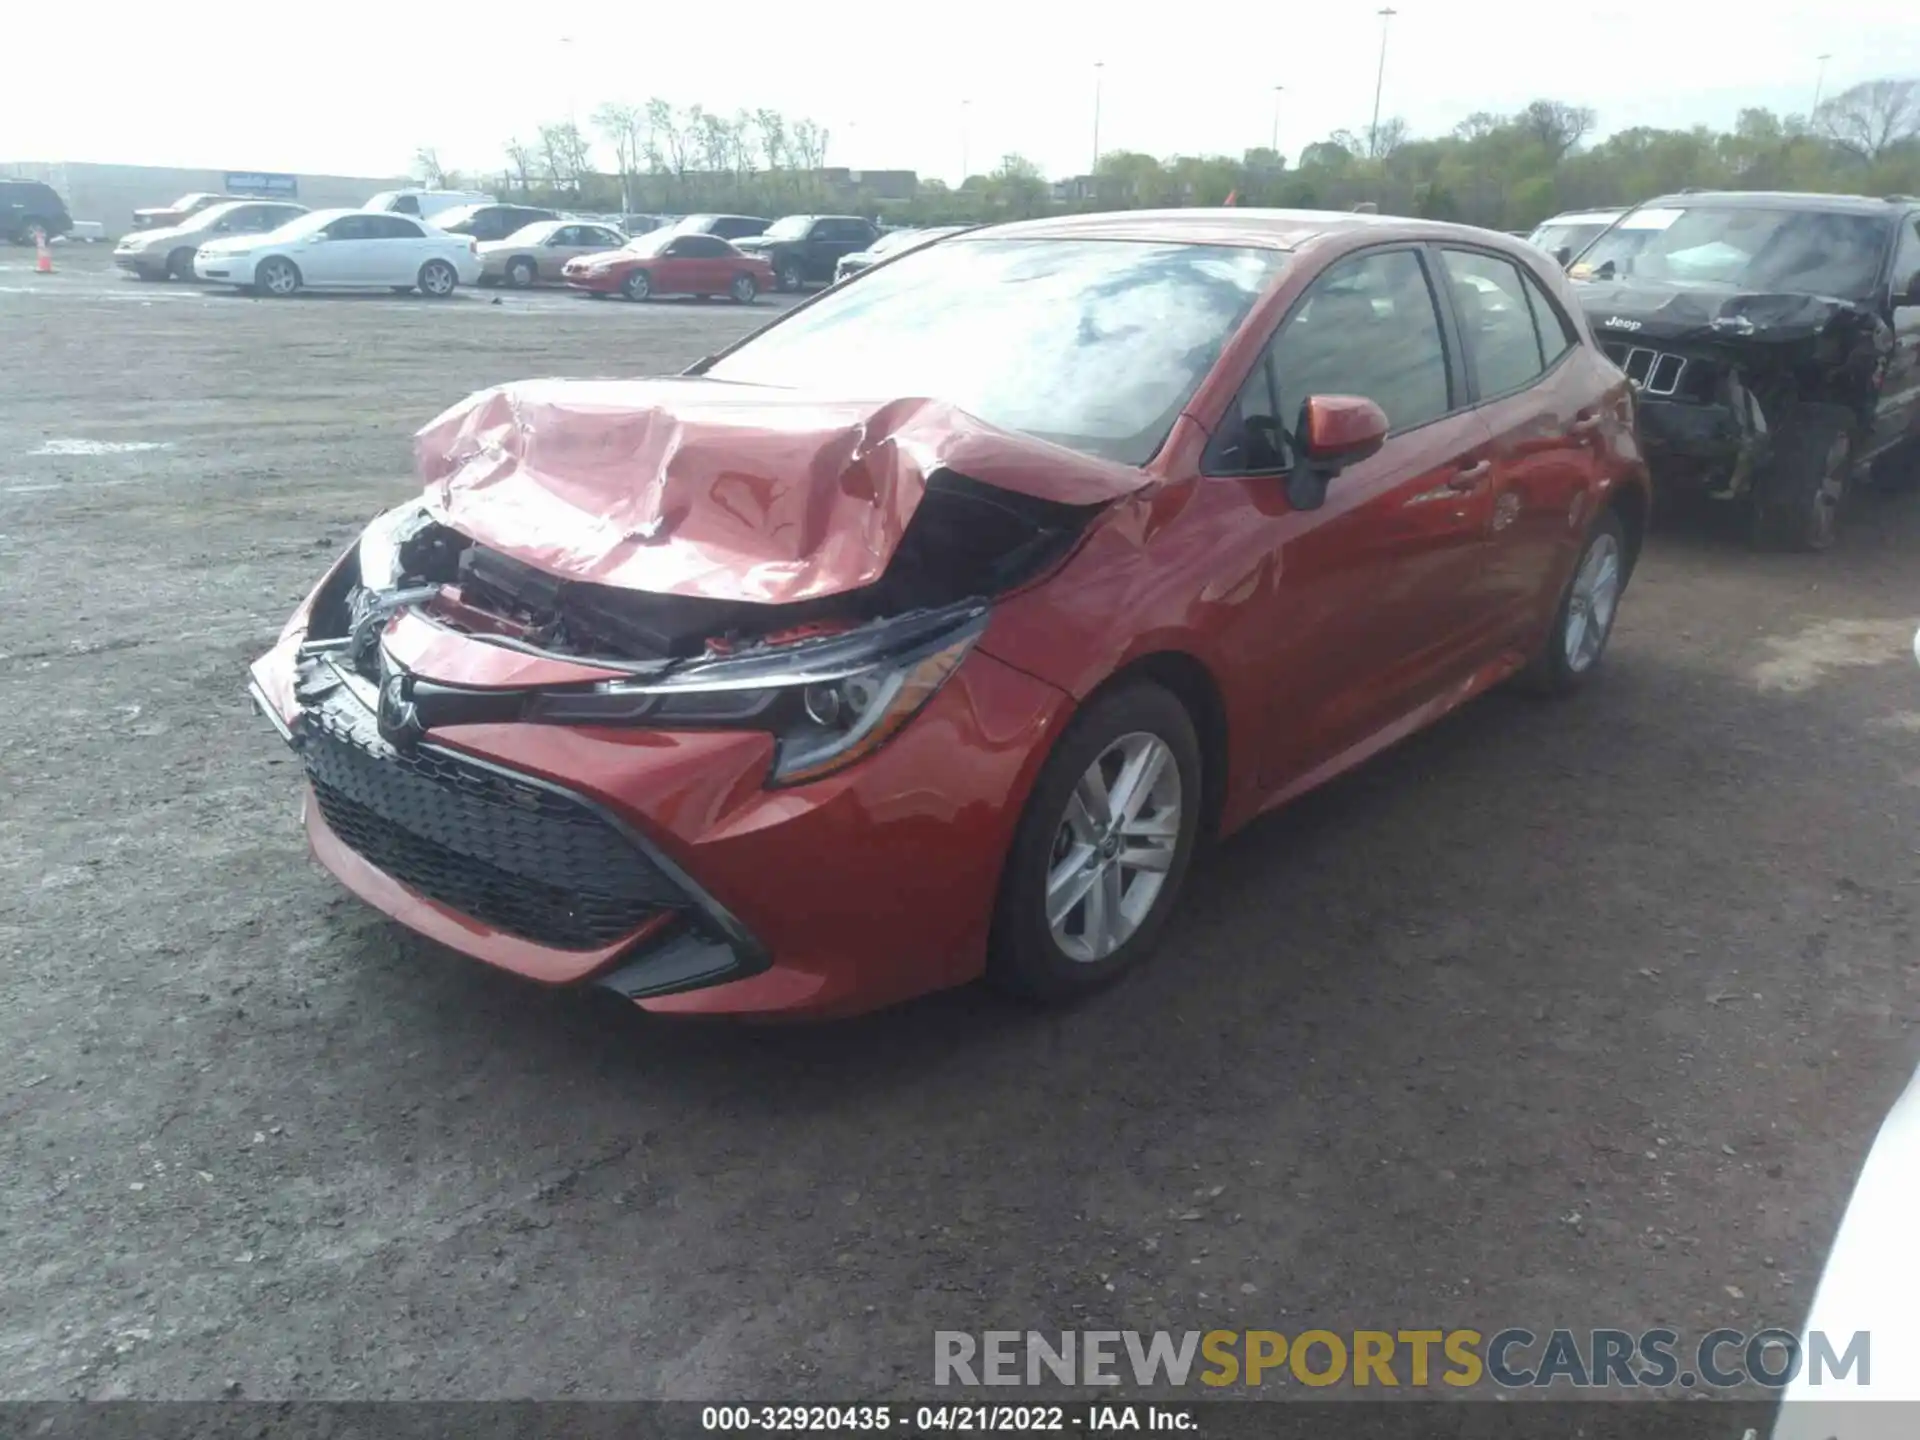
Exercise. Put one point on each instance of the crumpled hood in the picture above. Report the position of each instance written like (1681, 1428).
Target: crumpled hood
(689, 486)
(1697, 310)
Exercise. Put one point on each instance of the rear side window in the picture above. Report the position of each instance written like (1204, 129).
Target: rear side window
(1497, 320)
(391, 227)
(704, 247)
(1368, 326)
(1550, 323)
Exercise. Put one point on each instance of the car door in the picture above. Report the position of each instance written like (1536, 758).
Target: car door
(713, 258)
(552, 254)
(677, 268)
(1898, 415)
(1542, 406)
(396, 249)
(834, 238)
(337, 253)
(1364, 616)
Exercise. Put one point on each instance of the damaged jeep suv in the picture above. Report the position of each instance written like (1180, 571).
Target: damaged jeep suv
(1774, 340)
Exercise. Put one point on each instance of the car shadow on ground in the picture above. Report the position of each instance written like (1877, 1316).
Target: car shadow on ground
(1499, 876)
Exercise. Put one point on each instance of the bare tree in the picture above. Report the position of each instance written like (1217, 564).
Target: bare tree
(809, 144)
(1556, 125)
(1386, 138)
(426, 164)
(520, 157)
(1871, 118)
(625, 129)
(564, 155)
(771, 126)
(669, 145)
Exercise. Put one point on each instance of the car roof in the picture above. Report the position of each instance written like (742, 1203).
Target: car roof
(1775, 200)
(1589, 217)
(1258, 229)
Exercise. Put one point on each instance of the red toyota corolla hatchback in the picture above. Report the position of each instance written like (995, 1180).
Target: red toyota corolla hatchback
(925, 633)
(666, 262)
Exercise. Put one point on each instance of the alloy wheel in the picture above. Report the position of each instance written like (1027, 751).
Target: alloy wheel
(1115, 844)
(279, 277)
(437, 278)
(1591, 606)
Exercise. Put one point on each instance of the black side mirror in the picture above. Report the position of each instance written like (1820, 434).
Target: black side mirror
(1564, 256)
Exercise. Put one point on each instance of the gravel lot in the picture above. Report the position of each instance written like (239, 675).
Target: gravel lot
(1576, 1014)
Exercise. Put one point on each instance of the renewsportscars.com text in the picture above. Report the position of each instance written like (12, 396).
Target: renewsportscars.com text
(1513, 1359)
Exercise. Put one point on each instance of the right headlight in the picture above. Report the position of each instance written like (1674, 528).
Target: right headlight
(827, 705)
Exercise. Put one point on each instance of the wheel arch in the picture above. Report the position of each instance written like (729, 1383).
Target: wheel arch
(1189, 680)
(1633, 503)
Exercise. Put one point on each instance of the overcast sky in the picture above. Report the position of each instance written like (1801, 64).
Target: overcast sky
(356, 86)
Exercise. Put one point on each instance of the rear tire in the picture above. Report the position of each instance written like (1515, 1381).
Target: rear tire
(789, 278)
(1589, 606)
(1800, 494)
(744, 289)
(1072, 915)
(637, 286)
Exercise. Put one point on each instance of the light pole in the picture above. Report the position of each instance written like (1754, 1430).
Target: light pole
(1098, 67)
(965, 168)
(1820, 79)
(1386, 13)
(1275, 144)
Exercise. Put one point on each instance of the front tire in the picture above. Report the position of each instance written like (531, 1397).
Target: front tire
(744, 290)
(1102, 848)
(789, 277)
(180, 264)
(438, 279)
(277, 277)
(637, 286)
(1583, 623)
(1799, 496)
(521, 273)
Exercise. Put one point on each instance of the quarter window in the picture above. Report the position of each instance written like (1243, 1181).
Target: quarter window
(1497, 321)
(1550, 323)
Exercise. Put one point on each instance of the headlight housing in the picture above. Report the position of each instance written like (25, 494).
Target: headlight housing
(379, 548)
(828, 704)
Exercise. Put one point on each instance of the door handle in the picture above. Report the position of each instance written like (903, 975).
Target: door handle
(1469, 476)
(1585, 423)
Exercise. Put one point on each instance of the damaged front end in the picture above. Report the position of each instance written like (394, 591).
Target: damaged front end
(671, 579)
(1717, 374)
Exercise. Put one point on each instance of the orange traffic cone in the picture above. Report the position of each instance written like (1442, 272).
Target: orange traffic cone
(42, 257)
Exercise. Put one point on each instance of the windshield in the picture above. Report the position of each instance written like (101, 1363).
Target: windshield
(1748, 248)
(1092, 344)
(651, 243)
(206, 219)
(792, 227)
(1575, 237)
(304, 224)
(897, 240)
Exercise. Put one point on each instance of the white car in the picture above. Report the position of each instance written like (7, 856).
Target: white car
(343, 250)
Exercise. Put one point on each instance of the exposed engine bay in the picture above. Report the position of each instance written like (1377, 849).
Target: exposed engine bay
(965, 542)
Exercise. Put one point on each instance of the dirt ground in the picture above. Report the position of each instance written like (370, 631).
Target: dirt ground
(1578, 1014)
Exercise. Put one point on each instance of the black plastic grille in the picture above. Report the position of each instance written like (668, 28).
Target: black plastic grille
(528, 860)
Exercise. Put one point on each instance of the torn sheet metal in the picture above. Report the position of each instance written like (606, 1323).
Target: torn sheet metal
(699, 487)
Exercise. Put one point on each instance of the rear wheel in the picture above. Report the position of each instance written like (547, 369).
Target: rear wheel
(743, 290)
(180, 264)
(1102, 848)
(1798, 497)
(1584, 622)
(789, 276)
(276, 276)
(438, 279)
(636, 286)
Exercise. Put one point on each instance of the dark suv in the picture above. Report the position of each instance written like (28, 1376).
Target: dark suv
(805, 249)
(1774, 340)
(27, 206)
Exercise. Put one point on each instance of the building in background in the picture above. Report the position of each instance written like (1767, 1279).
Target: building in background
(110, 194)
